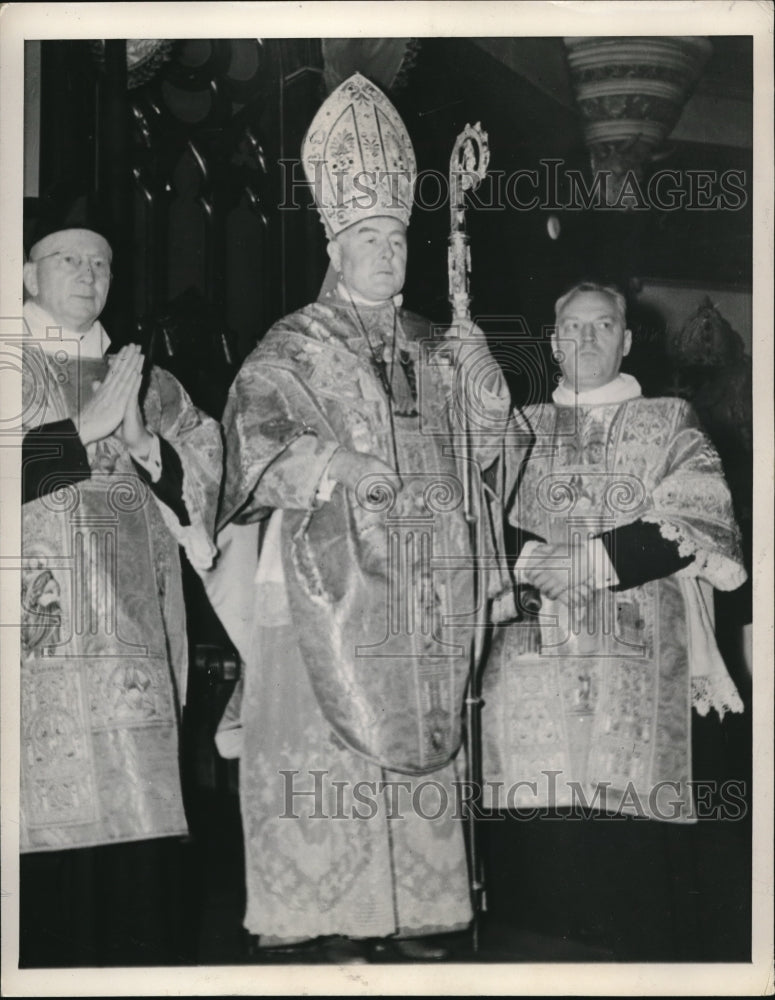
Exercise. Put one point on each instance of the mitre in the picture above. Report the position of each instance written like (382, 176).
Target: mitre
(358, 157)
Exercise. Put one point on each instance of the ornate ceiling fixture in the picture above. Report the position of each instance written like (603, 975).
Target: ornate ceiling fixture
(144, 57)
(631, 92)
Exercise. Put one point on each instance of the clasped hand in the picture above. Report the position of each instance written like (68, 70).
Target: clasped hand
(549, 571)
(116, 404)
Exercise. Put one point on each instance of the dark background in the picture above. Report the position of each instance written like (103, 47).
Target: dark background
(183, 169)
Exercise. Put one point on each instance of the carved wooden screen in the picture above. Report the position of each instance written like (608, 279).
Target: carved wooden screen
(216, 260)
(188, 155)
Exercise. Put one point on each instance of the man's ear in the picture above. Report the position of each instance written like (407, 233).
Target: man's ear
(334, 254)
(627, 342)
(30, 273)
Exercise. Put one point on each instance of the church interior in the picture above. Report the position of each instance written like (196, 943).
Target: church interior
(190, 150)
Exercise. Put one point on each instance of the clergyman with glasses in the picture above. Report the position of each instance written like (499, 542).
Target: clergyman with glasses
(118, 470)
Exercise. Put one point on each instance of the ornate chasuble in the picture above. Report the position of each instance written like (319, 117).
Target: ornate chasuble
(379, 583)
(104, 652)
(599, 709)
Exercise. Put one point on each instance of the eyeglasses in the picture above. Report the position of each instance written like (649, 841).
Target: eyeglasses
(72, 263)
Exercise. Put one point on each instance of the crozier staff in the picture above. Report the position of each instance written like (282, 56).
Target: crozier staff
(340, 430)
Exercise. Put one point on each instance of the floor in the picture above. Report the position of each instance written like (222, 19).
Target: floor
(622, 891)
(587, 891)
(558, 889)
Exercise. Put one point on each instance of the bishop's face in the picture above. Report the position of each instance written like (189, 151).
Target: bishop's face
(371, 257)
(592, 339)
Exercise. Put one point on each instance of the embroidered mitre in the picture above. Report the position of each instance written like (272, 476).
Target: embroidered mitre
(358, 157)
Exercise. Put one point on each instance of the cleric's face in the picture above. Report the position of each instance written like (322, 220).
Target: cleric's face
(68, 275)
(371, 257)
(591, 339)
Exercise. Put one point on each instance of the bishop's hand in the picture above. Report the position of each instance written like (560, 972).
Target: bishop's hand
(473, 359)
(465, 337)
(350, 467)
